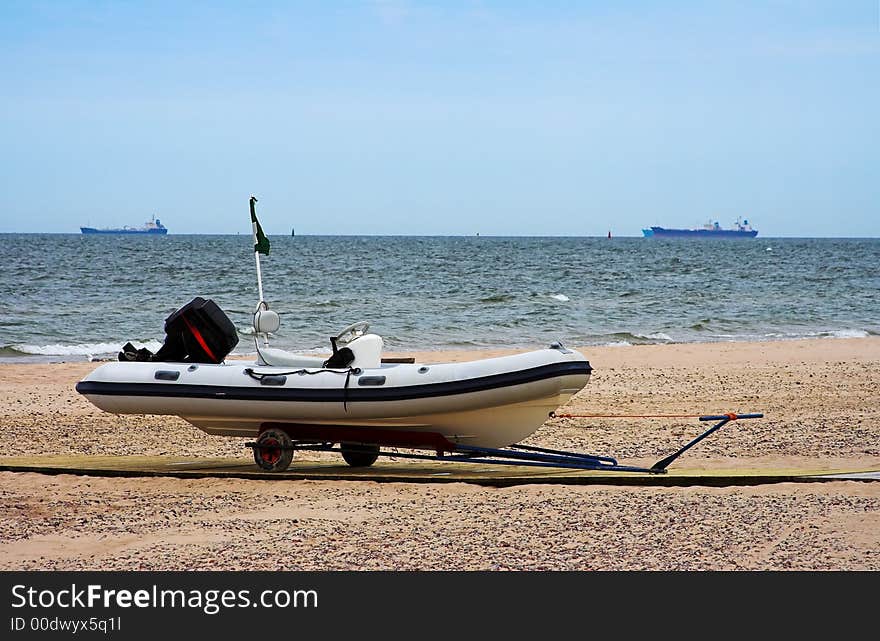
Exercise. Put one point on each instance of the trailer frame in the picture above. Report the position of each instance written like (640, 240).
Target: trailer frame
(520, 455)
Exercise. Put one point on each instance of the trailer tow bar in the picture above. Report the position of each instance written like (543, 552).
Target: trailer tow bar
(723, 419)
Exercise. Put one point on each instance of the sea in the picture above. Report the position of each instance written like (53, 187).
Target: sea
(67, 297)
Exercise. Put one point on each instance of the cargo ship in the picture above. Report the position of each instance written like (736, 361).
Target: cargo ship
(711, 229)
(152, 227)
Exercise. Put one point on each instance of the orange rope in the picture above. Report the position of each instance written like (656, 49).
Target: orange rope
(555, 415)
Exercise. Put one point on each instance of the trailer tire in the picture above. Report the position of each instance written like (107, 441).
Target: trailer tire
(358, 454)
(272, 455)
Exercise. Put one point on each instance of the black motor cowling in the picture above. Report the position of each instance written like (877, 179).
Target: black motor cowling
(198, 332)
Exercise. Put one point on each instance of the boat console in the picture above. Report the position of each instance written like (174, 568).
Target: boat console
(367, 350)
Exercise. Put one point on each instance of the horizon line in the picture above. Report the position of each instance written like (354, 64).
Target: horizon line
(476, 235)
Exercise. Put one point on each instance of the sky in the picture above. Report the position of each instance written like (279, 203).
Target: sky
(441, 118)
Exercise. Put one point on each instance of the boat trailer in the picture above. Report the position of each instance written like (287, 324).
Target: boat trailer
(268, 453)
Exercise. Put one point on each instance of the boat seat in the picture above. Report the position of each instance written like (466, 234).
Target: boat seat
(367, 352)
(267, 321)
(281, 358)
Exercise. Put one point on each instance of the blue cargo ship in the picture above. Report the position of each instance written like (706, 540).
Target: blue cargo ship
(152, 227)
(710, 230)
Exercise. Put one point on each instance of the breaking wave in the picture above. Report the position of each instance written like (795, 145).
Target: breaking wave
(629, 338)
(657, 336)
(81, 349)
(845, 333)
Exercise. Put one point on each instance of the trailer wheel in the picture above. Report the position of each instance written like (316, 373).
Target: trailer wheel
(359, 455)
(271, 455)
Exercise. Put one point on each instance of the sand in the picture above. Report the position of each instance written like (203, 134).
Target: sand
(820, 398)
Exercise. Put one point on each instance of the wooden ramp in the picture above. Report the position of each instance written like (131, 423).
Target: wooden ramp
(389, 471)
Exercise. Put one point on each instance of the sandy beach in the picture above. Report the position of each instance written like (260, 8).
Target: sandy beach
(819, 397)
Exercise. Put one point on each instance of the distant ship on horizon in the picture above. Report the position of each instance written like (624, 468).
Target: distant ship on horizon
(710, 230)
(153, 227)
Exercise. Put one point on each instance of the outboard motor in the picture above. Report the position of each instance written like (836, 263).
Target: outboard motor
(198, 332)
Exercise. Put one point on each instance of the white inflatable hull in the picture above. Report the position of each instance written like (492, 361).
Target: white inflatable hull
(487, 403)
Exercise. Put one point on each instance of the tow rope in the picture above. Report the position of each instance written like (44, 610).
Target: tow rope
(555, 415)
(730, 416)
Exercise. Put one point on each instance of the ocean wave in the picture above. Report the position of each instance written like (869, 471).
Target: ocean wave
(463, 344)
(845, 333)
(632, 338)
(657, 336)
(831, 333)
(8, 350)
(81, 349)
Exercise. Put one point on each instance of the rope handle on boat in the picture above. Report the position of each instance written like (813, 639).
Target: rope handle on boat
(348, 371)
(259, 375)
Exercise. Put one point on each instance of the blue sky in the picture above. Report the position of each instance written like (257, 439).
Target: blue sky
(395, 117)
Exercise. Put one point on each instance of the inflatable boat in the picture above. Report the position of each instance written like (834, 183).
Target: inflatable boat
(354, 397)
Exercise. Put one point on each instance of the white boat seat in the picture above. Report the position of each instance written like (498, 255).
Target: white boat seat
(281, 358)
(367, 350)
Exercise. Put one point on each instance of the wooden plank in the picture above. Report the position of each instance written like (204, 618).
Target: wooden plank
(406, 472)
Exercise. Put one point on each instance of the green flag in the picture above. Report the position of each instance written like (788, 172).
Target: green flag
(261, 243)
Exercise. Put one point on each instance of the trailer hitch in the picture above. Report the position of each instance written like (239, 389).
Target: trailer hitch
(723, 419)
